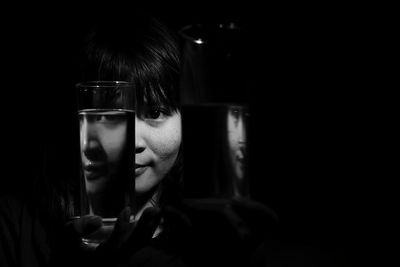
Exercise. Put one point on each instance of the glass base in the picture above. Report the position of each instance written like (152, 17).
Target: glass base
(96, 238)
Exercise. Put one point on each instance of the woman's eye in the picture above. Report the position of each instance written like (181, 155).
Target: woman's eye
(154, 114)
(109, 118)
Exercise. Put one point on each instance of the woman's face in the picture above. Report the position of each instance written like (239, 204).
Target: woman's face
(103, 138)
(157, 142)
(237, 140)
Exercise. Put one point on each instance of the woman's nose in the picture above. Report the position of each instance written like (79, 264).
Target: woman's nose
(140, 144)
(90, 143)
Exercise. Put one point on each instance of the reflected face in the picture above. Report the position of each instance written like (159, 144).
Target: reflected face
(157, 142)
(103, 139)
(237, 139)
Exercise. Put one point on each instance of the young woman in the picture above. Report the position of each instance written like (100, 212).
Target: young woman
(132, 47)
(140, 50)
(36, 229)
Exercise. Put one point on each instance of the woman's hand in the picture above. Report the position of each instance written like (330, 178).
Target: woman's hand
(126, 239)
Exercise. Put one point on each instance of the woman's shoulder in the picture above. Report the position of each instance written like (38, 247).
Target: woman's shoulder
(10, 231)
(22, 235)
(13, 212)
(16, 212)
(11, 205)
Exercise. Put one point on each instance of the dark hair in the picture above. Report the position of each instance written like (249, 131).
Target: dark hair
(138, 48)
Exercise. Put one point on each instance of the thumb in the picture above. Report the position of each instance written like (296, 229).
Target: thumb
(122, 229)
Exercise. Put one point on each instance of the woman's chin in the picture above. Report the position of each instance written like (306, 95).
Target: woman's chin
(97, 185)
(144, 184)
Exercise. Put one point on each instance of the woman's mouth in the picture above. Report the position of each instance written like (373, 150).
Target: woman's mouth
(94, 171)
(140, 169)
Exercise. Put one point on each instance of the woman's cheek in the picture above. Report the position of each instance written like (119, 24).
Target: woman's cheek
(169, 138)
(168, 147)
(114, 143)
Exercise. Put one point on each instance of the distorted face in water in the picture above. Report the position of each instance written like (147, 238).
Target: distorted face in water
(237, 139)
(106, 122)
(103, 136)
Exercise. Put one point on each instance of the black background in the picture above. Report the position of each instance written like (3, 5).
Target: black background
(313, 155)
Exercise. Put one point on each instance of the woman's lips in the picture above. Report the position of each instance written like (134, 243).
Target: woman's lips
(93, 171)
(140, 169)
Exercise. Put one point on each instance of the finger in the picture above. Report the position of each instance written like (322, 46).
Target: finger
(123, 222)
(108, 250)
(122, 229)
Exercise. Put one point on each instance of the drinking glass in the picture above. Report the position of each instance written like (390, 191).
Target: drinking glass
(106, 111)
(214, 110)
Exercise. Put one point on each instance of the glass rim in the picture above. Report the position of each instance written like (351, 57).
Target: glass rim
(207, 30)
(103, 84)
(108, 219)
(195, 39)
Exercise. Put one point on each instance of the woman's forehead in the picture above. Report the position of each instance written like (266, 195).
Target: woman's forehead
(156, 95)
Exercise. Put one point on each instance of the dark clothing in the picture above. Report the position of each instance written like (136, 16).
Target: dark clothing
(25, 242)
(23, 239)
